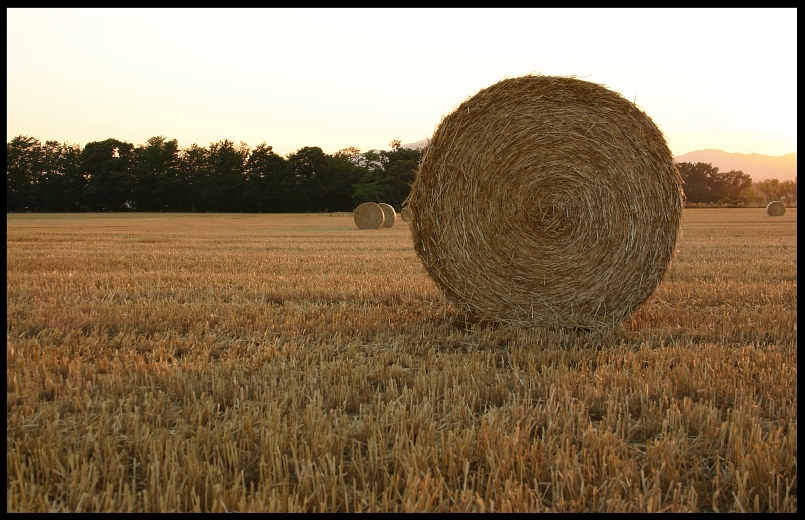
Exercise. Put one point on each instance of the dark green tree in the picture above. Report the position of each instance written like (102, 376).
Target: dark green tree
(770, 188)
(697, 181)
(788, 191)
(193, 176)
(371, 160)
(308, 169)
(226, 183)
(703, 182)
(49, 188)
(373, 186)
(401, 175)
(23, 156)
(400, 166)
(728, 185)
(156, 172)
(351, 153)
(60, 185)
(267, 180)
(338, 185)
(106, 167)
(113, 175)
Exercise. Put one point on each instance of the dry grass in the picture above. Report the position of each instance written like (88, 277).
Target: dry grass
(293, 363)
(549, 200)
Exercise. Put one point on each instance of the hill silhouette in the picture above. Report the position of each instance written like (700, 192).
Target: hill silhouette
(416, 145)
(759, 167)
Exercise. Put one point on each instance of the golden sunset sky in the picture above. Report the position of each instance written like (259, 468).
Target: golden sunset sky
(719, 78)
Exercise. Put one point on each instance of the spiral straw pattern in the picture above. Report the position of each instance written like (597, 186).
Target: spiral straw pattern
(547, 200)
(368, 215)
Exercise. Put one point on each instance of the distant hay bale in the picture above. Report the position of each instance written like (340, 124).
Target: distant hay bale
(550, 201)
(389, 215)
(775, 209)
(369, 216)
(405, 214)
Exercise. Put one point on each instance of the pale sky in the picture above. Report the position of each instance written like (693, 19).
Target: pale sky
(718, 78)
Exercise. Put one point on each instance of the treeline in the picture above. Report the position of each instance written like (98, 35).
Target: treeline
(114, 175)
(704, 183)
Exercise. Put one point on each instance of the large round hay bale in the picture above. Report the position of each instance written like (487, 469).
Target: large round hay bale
(547, 200)
(389, 215)
(369, 216)
(775, 208)
(405, 214)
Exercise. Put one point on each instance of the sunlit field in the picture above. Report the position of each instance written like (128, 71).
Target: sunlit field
(234, 362)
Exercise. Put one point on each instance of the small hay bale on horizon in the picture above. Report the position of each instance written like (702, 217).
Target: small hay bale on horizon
(369, 215)
(389, 215)
(547, 201)
(405, 214)
(775, 208)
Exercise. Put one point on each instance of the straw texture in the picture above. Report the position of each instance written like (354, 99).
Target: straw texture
(775, 208)
(389, 215)
(547, 200)
(405, 214)
(368, 216)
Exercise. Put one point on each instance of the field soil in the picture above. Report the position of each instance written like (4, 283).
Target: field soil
(239, 362)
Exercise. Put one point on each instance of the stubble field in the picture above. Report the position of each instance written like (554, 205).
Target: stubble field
(294, 363)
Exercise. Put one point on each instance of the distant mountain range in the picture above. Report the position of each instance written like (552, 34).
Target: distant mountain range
(759, 167)
(418, 144)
